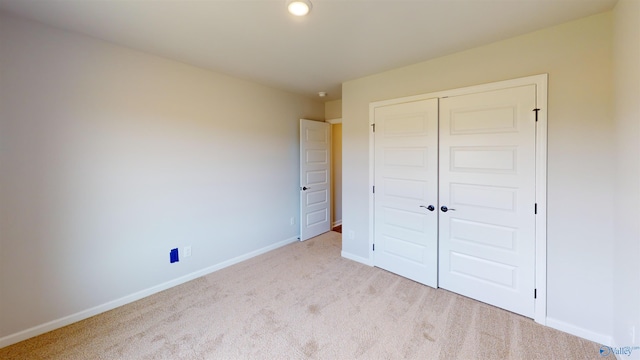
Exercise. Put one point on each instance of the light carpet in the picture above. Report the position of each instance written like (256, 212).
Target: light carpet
(304, 301)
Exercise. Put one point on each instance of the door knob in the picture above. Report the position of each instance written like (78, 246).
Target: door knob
(305, 188)
(445, 209)
(430, 207)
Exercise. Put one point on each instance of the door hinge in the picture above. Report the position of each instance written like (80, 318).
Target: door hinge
(374, 189)
(535, 293)
(535, 209)
(373, 126)
(374, 247)
(536, 111)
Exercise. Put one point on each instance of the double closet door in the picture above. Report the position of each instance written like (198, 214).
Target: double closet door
(454, 202)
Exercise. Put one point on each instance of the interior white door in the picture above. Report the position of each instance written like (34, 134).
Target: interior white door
(406, 190)
(315, 186)
(487, 197)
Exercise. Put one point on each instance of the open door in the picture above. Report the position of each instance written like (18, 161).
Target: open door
(315, 177)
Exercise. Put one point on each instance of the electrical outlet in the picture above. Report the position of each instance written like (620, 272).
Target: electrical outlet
(292, 221)
(173, 256)
(187, 251)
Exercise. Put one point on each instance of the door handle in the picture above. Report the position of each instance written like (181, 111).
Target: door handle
(445, 209)
(430, 207)
(304, 188)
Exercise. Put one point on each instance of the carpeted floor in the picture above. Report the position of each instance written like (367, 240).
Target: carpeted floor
(304, 301)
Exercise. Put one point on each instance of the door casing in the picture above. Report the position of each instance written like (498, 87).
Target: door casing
(541, 81)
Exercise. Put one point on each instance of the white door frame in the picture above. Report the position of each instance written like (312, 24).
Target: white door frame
(540, 311)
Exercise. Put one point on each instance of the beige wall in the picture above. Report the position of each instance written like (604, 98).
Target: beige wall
(333, 109)
(111, 157)
(578, 58)
(626, 67)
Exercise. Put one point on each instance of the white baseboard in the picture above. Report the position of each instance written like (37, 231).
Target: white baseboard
(58, 323)
(336, 223)
(357, 258)
(601, 339)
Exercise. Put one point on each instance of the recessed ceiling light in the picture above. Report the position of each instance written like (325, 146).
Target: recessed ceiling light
(322, 93)
(299, 7)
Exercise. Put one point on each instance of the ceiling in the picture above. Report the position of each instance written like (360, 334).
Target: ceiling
(338, 41)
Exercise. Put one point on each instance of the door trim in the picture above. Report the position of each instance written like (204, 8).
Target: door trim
(541, 81)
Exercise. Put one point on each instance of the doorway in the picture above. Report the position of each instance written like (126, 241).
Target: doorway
(336, 173)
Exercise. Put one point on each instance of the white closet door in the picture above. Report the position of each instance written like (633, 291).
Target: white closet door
(487, 187)
(406, 187)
